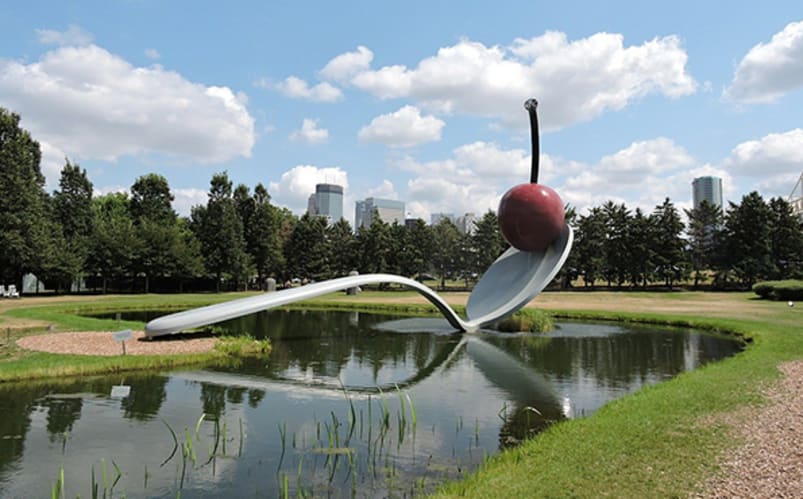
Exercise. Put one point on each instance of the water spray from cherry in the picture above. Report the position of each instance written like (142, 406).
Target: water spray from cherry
(531, 216)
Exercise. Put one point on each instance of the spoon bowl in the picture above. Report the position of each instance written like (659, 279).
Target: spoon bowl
(515, 278)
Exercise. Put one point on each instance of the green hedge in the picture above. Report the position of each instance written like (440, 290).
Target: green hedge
(779, 290)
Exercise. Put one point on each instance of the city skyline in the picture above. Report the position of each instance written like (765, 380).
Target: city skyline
(635, 99)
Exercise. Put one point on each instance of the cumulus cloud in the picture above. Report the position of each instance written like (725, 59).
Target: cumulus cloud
(574, 80)
(310, 133)
(345, 66)
(74, 35)
(385, 190)
(441, 195)
(296, 185)
(489, 160)
(641, 175)
(770, 70)
(649, 157)
(184, 199)
(153, 54)
(773, 154)
(51, 164)
(403, 128)
(94, 105)
(297, 88)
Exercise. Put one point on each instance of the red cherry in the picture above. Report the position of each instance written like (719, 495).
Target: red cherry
(531, 216)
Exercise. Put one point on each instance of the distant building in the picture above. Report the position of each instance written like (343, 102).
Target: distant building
(436, 218)
(327, 202)
(796, 197)
(465, 223)
(389, 211)
(707, 189)
(410, 223)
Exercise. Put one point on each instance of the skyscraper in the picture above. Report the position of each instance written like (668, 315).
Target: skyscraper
(327, 202)
(707, 189)
(796, 197)
(389, 211)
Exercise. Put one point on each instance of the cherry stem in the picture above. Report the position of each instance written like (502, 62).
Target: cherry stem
(530, 105)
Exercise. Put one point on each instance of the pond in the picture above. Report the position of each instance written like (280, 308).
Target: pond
(347, 404)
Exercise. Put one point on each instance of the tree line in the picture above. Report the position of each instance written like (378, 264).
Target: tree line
(238, 239)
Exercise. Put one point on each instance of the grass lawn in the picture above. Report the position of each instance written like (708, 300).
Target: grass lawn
(661, 441)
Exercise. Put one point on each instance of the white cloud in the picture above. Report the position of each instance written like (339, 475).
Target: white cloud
(385, 190)
(641, 175)
(773, 154)
(770, 70)
(649, 157)
(488, 160)
(153, 54)
(92, 104)
(310, 133)
(296, 185)
(404, 128)
(346, 66)
(297, 88)
(51, 164)
(574, 81)
(184, 199)
(780, 185)
(441, 195)
(75, 35)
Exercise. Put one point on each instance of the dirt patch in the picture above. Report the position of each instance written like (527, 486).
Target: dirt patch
(102, 343)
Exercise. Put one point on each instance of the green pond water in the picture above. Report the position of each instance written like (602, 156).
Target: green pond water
(348, 404)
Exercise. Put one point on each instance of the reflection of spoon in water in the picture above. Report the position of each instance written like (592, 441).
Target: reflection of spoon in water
(510, 283)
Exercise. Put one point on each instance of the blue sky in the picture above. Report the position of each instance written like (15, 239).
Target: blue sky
(419, 101)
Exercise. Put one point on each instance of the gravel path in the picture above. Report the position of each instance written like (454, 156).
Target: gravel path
(103, 344)
(770, 462)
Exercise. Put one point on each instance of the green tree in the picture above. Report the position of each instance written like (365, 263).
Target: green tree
(747, 243)
(152, 200)
(668, 245)
(262, 234)
(421, 245)
(342, 247)
(640, 259)
(24, 229)
(590, 246)
(786, 240)
(487, 242)
(374, 247)
(114, 241)
(307, 251)
(446, 247)
(704, 234)
(220, 232)
(162, 247)
(617, 220)
(72, 207)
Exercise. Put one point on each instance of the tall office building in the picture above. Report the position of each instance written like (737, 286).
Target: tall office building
(707, 189)
(465, 223)
(389, 211)
(327, 202)
(796, 197)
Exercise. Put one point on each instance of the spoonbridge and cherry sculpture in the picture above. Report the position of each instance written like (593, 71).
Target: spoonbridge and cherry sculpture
(531, 218)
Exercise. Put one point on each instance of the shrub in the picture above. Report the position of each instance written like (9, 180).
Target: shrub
(529, 319)
(779, 290)
(243, 346)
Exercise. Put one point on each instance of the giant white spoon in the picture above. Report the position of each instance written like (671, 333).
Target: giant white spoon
(512, 281)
